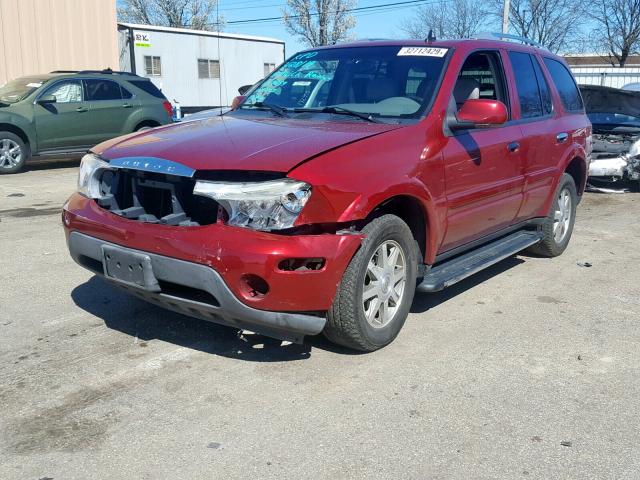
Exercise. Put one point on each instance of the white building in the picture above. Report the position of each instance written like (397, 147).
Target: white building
(591, 69)
(196, 68)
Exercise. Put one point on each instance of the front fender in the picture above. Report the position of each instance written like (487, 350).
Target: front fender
(350, 182)
(24, 123)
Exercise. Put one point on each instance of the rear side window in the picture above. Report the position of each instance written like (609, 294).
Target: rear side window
(125, 93)
(102, 90)
(565, 85)
(526, 84)
(148, 87)
(545, 95)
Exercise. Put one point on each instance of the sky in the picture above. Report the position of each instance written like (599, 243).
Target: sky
(375, 24)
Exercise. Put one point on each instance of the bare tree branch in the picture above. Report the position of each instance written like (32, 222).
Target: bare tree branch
(447, 19)
(556, 24)
(194, 14)
(618, 32)
(319, 22)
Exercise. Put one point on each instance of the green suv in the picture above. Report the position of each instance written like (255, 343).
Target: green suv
(65, 113)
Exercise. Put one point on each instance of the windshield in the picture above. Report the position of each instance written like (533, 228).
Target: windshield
(384, 82)
(20, 88)
(614, 119)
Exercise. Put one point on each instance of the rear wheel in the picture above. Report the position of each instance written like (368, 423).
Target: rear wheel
(13, 153)
(376, 291)
(558, 226)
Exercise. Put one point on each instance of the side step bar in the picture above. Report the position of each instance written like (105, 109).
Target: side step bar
(458, 268)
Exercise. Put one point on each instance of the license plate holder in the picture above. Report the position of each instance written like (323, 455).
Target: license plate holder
(131, 268)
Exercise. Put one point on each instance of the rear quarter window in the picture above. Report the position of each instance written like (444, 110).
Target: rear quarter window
(565, 84)
(149, 87)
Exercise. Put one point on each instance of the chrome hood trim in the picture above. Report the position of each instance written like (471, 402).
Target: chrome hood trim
(153, 164)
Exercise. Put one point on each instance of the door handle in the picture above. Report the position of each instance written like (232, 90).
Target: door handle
(513, 146)
(82, 109)
(126, 105)
(562, 137)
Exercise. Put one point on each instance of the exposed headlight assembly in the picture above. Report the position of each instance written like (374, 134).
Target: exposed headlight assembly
(88, 176)
(269, 205)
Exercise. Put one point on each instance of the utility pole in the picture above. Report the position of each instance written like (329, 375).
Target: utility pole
(505, 17)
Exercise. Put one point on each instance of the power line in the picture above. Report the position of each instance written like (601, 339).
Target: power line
(314, 14)
(372, 8)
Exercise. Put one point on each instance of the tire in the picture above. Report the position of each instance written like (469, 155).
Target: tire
(13, 153)
(557, 228)
(347, 322)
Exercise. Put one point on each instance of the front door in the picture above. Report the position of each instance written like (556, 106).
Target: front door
(65, 124)
(483, 166)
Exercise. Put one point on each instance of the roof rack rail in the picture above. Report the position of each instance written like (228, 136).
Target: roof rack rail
(513, 38)
(106, 71)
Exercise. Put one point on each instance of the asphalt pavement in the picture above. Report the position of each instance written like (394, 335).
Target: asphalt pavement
(527, 370)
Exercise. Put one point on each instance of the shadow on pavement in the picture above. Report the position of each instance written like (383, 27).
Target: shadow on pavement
(132, 316)
(137, 318)
(44, 163)
(426, 301)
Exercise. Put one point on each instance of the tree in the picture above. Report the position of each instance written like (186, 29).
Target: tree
(553, 23)
(319, 22)
(194, 14)
(447, 19)
(618, 32)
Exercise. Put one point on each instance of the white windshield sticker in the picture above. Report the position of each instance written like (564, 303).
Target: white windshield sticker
(301, 84)
(422, 52)
(34, 85)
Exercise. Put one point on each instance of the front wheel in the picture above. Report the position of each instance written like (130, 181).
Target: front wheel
(376, 291)
(13, 153)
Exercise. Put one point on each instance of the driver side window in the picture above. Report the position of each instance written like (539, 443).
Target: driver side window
(68, 91)
(481, 77)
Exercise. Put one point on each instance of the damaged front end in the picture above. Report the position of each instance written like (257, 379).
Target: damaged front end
(615, 116)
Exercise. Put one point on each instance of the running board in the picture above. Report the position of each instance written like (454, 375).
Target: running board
(452, 271)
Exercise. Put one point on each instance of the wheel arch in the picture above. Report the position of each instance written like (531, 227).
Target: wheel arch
(147, 122)
(411, 211)
(577, 168)
(8, 127)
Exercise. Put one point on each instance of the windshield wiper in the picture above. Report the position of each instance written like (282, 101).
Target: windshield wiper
(282, 112)
(339, 111)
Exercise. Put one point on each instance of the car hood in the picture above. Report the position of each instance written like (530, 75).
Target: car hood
(233, 143)
(599, 99)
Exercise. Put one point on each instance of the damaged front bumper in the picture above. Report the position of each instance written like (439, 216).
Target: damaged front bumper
(275, 284)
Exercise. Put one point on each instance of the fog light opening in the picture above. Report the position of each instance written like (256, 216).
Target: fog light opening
(301, 264)
(254, 286)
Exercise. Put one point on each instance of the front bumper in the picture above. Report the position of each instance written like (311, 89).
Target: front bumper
(221, 307)
(218, 257)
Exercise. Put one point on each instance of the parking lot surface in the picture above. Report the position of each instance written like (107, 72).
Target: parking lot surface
(527, 370)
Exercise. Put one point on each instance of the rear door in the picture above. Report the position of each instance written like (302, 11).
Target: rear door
(109, 109)
(65, 124)
(534, 113)
(483, 166)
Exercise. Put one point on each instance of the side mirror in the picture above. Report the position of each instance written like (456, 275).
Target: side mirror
(244, 89)
(46, 100)
(237, 101)
(480, 112)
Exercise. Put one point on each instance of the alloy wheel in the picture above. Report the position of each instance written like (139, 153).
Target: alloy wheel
(10, 153)
(384, 284)
(562, 215)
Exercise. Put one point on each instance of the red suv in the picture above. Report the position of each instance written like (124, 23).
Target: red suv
(347, 179)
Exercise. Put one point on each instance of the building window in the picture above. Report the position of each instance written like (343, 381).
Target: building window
(152, 66)
(208, 68)
(268, 68)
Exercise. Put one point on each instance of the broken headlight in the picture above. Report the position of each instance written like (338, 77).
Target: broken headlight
(270, 205)
(88, 176)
